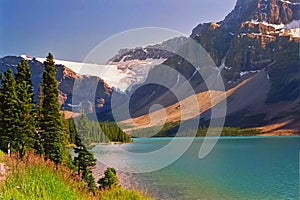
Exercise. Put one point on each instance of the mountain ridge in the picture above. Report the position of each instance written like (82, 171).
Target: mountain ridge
(248, 46)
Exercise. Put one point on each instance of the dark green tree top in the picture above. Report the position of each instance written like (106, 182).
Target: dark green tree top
(53, 135)
(25, 107)
(110, 178)
(8, 111)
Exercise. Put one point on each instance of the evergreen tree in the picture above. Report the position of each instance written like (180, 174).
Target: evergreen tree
(91, 183)
(25, 107)
(53, 136)
(72, 131)
(84, 161)
(66, 128)
(9, 114)
(38, 145)
(83, 129)
(109, 180)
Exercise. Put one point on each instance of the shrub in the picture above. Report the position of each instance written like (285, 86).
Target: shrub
(109, 180)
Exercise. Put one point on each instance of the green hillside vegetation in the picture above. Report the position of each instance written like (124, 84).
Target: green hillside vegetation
(96, 132)
(33, 178)
(171, 130)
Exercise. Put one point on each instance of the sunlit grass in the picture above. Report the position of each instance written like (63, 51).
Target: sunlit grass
(119, 193)
(2, 157)
(33, 178)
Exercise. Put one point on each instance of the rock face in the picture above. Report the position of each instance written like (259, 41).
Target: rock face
(158, 51)
(214, 38)
(270, 11)
(256, 34)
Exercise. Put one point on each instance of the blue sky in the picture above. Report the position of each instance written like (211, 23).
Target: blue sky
(71, 29)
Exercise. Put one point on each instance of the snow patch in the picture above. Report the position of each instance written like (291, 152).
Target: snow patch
(285, 1)
(276, 26)
(26, 57)
(121, 75)
(243, 73)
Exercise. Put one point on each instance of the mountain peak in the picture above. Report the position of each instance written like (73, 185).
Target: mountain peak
(270, 11)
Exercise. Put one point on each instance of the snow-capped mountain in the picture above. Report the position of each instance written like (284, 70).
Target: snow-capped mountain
(256, 51)
(120, 75)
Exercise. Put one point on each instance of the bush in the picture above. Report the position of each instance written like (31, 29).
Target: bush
(109, 180)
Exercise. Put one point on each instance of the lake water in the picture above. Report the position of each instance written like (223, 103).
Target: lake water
(251, 168)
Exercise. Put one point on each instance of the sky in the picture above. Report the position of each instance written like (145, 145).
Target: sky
(70, 29)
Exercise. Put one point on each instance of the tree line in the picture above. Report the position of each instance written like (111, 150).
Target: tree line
(95, 132)
(40, 126)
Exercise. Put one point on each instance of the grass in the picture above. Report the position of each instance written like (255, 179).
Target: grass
(119, 193)
(33, 178)
(2, 157)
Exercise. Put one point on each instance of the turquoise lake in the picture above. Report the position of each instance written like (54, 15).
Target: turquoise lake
(251, 168)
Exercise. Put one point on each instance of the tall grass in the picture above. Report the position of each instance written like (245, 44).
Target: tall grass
(119, 193)
(33, 178)
(2, 157)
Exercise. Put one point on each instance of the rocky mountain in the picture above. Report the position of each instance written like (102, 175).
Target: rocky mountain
(158, 51)
(256, 52)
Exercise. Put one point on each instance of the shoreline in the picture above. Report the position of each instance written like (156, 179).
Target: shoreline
(125, 179)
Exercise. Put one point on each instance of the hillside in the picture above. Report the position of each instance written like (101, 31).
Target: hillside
(34, 178)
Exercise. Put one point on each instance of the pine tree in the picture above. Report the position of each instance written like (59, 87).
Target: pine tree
(38, 145)
(25, 107)
(84, 161)
(72, 130)
(83, 129)
(109, 180)
(66, 128)
(9, 114)
(53, 136)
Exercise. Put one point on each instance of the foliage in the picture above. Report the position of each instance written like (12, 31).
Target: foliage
(38, 145)
(170, 130)
(25, 107)
(53, 135)
(96, 132)
(109, 180)
(72, 130)
(84, 160)
(112, 132)
(9, 114)
(229, 131)
(167, 130)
